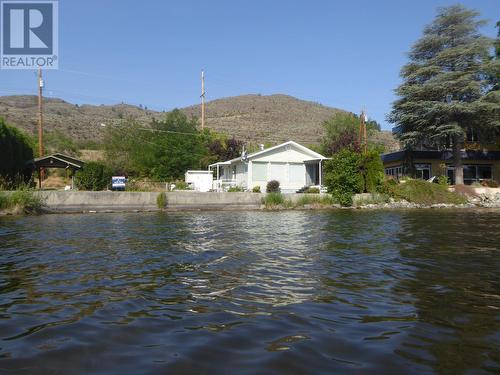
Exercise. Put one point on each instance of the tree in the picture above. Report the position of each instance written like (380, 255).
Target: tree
(123, 146)
(174, 146)
(93, 176)
(496, 72)
(222, 149)
(445, 85)
(343, 177)
(342, 131)
(15, 150)
(372, 171)
(164, 151)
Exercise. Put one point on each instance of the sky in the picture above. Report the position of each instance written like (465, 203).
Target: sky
(345, 54)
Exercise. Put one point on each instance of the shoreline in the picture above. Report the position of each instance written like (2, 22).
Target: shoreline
(57, 202)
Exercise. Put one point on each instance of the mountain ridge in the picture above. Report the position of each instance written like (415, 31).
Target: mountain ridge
(253, 118)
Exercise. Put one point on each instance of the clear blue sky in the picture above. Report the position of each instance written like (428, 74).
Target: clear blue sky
(344, 54)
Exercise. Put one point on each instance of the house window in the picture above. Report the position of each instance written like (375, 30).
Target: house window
(278, 172)
(296, 173)
(484, 172)
(472, 173)
(396, 172)
(423, 171)
(259, 171)
(477, 173)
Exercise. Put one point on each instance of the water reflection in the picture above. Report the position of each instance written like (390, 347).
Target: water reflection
(340, 291)
(456, 287)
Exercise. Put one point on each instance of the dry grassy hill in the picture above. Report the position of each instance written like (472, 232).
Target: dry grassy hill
(272, 118)
(253, 118)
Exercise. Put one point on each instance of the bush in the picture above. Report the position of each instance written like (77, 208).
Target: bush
(343, 177)
(274, 200)
(372, 170)
(25, 198)
(443, 180)
(256, 189)
(312, 190)
(181, 185)
(273, 186)
(93, 176)
(4, 201)
(423, 192)
(235, 189)
(15, 151)
(322, 200)
(490, 183)
(161, 200)
(16, 182)
(371, 198)
(388, 185)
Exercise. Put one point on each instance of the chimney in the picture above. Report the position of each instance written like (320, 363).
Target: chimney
(261, 147)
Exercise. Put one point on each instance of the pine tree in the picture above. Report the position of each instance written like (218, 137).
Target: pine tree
(447, 87)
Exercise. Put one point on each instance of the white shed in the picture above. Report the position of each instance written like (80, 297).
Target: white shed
(199, 180)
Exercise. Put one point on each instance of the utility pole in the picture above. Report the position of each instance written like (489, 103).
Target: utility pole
(363, 141)
(40, 124)
(202, 99)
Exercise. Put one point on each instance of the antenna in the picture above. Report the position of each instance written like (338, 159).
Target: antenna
(40, 123)
(244, 156)
(362, 139)
(202, 99)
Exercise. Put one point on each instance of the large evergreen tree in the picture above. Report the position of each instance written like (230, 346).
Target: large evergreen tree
(446, 87)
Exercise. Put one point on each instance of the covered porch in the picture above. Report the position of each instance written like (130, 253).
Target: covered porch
(314, 172)
(224, 175)
(56, 161)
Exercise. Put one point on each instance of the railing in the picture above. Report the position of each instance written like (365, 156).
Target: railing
(223, 185)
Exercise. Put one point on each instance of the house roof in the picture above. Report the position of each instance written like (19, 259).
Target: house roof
(445, 155)
(56, 161)
(314, 154)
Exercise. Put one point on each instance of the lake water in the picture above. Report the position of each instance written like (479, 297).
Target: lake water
(251, 292)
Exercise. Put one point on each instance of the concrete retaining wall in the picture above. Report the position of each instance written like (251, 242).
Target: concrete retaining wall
(80, 201)
(99, 201)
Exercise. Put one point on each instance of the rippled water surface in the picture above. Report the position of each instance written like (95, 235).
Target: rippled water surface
(251, 292)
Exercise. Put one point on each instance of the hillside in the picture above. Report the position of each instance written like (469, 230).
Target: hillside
(253, 118)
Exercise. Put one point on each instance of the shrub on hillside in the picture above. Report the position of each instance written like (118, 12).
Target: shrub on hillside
(273, 186)
(93, 176)
(426, 193)
(443, 180)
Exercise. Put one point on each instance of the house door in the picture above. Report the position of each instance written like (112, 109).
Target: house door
(450, 172)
